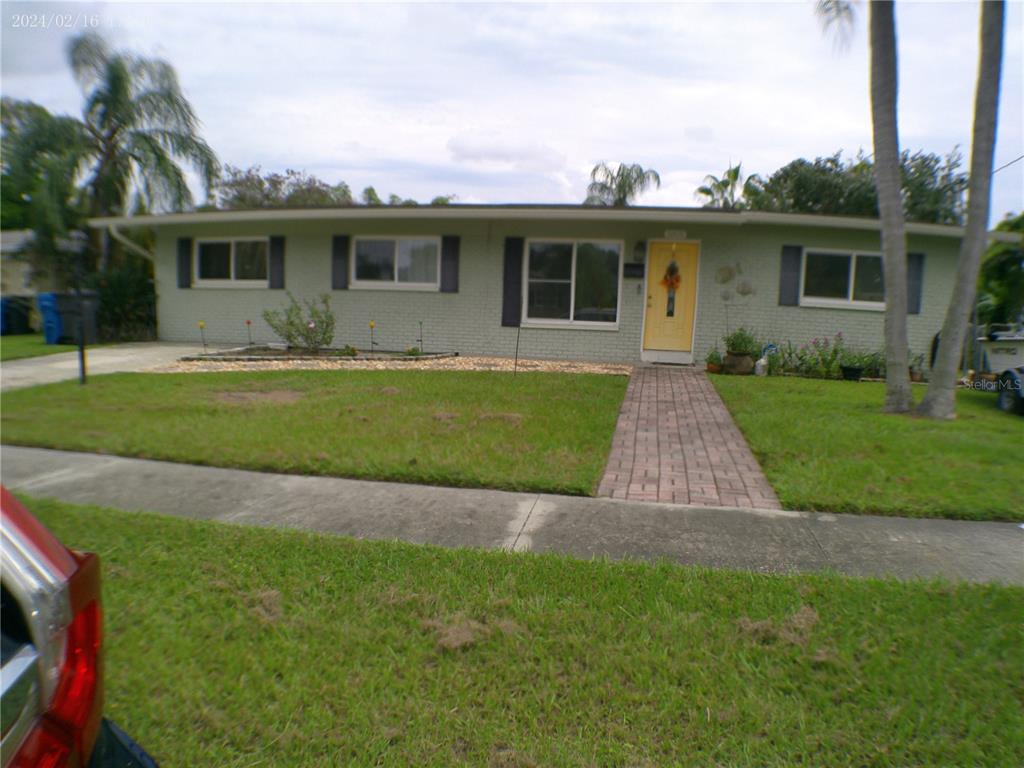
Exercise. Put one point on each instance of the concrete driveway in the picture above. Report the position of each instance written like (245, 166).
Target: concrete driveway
(113, 358)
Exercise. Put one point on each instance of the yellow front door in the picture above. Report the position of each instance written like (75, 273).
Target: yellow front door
(671, 296)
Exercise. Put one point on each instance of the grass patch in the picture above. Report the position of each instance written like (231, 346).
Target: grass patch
(826, 445)
(29, 345)
(533, 432)
(237, 646)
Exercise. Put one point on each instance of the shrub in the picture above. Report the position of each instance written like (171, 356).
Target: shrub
(413, 352)
(349, 351)
(127, 302)
(821, 358)
(742, 342)
(313, 332)
(713, 357)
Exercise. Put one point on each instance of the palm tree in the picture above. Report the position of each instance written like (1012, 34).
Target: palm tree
(725, 192)
(939, 400)
(838, 15)
(140, 127)
(619, 187)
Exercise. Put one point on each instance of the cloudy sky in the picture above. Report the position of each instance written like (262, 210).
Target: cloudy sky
(516, 102)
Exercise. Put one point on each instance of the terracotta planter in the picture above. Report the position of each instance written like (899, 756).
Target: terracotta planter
(714, 368)
(740, 365)
(916, 376)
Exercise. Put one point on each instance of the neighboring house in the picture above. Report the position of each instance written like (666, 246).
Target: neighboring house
(17, 277)
(622, 284)
(15, 274)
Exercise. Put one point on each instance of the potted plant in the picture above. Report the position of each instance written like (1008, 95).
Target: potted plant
(917, 368)
(713, 360)
(741, 347)
(851, 365)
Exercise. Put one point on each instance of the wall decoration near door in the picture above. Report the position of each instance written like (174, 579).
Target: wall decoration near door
(671, 281)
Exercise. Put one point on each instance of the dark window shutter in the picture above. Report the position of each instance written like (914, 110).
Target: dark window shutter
(450, 264)
(789, 276)
(512, 296)
(184, 262)
(915, 278)
(276, 262)
(339, 262)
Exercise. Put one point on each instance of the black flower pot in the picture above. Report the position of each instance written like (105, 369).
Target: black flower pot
(851, 372)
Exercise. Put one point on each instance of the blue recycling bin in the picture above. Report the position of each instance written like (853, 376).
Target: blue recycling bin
(52, 326)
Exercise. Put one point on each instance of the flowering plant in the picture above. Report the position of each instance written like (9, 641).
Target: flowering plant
(312, 333)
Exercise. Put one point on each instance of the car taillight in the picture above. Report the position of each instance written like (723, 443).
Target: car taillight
(78, 700)
(66, 732)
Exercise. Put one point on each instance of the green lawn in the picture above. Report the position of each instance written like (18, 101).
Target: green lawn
(29, 345)
(826, 445)
(236, 646)
(535, 431)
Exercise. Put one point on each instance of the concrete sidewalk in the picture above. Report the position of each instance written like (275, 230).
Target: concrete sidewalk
(111, 358)
(757, 540)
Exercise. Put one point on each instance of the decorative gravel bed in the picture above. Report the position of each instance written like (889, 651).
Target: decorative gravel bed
(425, 362)
(276, 354)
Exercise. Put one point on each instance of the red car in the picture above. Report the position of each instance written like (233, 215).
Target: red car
(51, 623)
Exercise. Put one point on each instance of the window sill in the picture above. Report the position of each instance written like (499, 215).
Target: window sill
(862, 306)
(568, 325)
(232, 284)
(420, 287)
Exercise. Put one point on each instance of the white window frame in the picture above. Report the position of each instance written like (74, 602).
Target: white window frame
(849, 302)
(394, 284)
(231, 282)
(546, 322)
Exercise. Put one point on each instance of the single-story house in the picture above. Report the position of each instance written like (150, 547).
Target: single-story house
(574, 282)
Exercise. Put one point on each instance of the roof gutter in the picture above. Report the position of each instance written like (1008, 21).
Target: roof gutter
(665, 216)
(135, 248)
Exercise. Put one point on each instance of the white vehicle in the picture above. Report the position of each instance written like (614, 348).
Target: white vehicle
(1005, 352)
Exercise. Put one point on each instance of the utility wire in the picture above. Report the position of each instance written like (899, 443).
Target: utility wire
(1015, 160)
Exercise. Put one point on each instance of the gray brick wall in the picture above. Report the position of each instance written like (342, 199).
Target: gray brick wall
(469, 321)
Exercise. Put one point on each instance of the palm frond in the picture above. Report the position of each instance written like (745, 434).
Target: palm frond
(88, 55)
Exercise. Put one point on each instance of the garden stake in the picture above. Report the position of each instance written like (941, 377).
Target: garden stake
(515, 365)
(248, 328)
(372, 342)
(420, 339)
(202, 334)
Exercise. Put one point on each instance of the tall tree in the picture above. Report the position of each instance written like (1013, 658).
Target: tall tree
(838, 15)
(1001, 287)
(619, 187)
(726, 192)
(140, 128)
(884, 89)
(42, 160)
(939, 400)
(252, 189)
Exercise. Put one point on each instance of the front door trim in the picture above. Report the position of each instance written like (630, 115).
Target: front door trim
(661, 355)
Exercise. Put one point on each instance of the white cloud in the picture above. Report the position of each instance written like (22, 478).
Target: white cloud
(516, 102)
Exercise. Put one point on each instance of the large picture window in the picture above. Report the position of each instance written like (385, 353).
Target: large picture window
(397, 262)
(573, 282)
(231, 262)
(833, 278)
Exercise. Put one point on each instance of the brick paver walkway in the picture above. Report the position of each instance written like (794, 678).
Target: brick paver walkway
(676, 442)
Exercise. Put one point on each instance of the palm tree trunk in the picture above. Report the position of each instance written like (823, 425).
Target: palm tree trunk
(890, 203)
(940, 401)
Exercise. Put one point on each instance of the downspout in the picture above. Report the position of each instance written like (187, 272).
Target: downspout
(138, 250)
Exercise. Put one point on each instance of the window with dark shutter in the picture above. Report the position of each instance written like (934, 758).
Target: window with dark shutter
(184, 262)
(512, 282)
(450, 264)
(339, 262)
